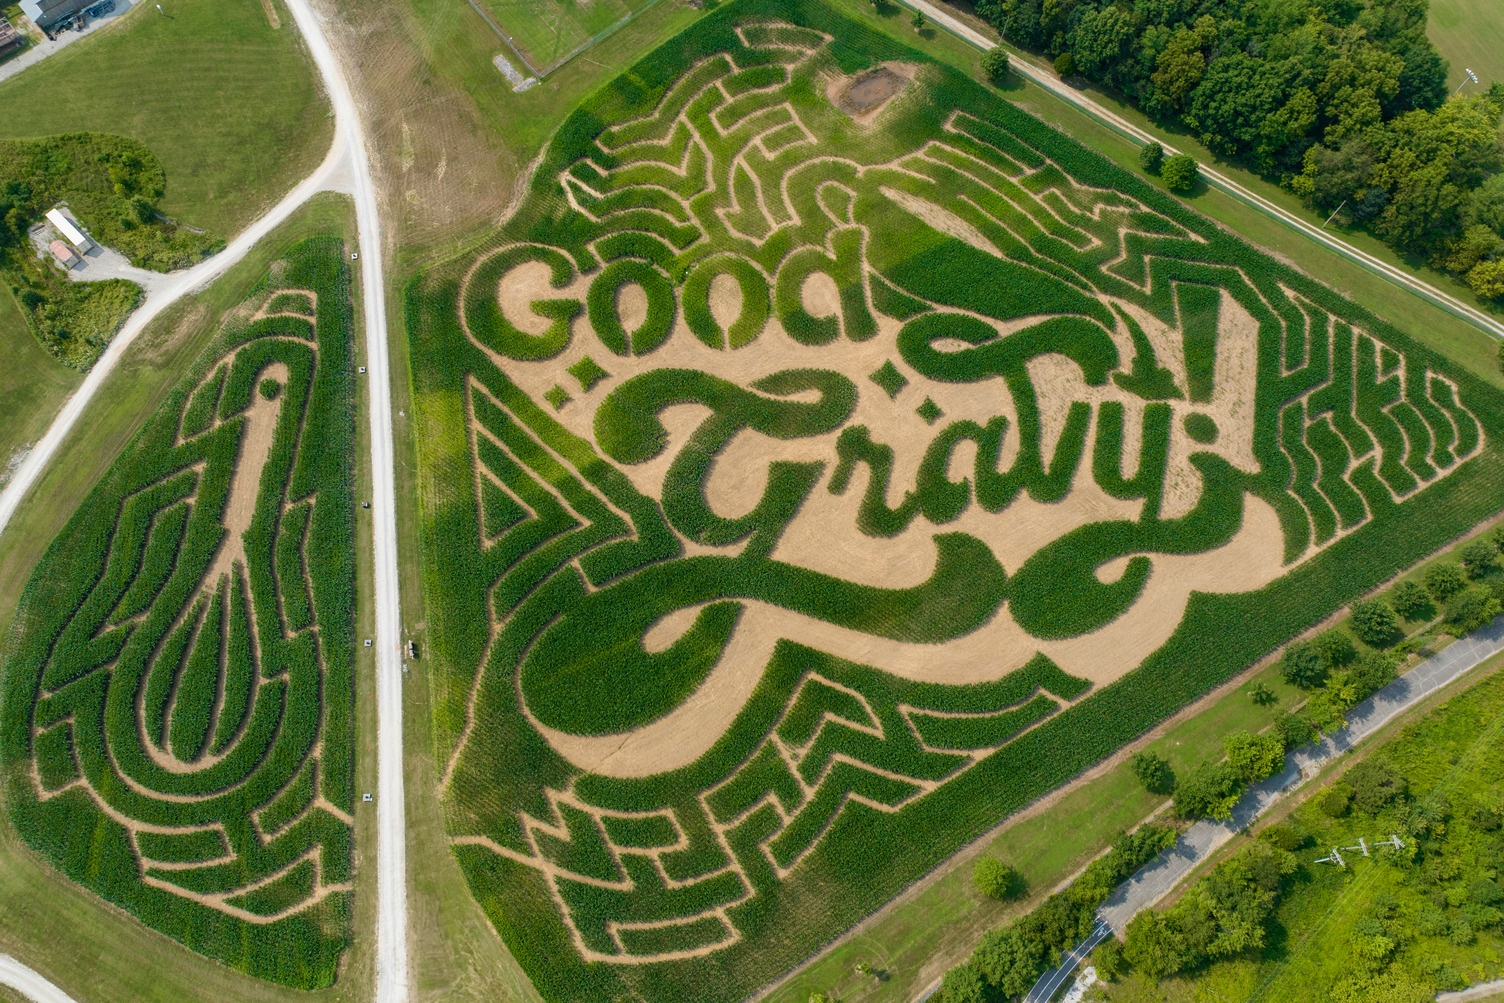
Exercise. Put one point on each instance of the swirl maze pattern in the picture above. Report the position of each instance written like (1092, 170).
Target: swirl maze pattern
(178, 696)
(682, 748)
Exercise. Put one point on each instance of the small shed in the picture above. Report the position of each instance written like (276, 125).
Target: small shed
(63, 253)
(70, 232)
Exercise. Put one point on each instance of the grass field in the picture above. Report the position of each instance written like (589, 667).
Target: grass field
(47, 921)
(33, 386)
(677, 179)
(232, 108)
(1469, 34)
(547, 31)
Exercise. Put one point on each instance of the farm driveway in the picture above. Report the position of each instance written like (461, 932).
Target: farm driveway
(41, 51)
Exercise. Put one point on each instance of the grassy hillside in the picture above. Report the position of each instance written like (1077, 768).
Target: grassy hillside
(231, 107)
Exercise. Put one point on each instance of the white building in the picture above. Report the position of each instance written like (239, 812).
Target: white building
(71, 233)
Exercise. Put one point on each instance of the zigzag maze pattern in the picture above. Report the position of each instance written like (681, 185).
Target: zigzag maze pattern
(726, 168)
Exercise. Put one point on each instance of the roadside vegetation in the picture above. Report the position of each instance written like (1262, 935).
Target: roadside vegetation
(112, 186)
(1346, 105)
(1279, 918)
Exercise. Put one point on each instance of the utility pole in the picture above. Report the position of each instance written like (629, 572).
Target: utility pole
(1470, 78)
(1334, 214)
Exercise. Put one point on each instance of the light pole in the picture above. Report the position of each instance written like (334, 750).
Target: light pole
(1470, 78)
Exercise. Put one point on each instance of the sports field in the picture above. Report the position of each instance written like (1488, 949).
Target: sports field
(178, 699)
(230, 106)
(796, 332)
(1469, 34)
(546, 31)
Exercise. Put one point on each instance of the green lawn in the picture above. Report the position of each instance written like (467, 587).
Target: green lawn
(232, 108)
(1470, 34)
(548, 30)
(33, 385)
(46, 921)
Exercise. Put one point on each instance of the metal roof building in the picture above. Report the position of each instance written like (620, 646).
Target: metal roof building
(46, 13)
(71, 233)
(63, 253)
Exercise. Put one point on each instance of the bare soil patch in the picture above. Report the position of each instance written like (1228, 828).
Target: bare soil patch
(865, 95)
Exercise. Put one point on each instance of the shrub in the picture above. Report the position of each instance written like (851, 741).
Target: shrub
(1303, 665)
(1410, 599)
(1209, 791)
(962, 984)
(1293, 730)
(1108, 959)
(1470, 609)
(1375, 623)
(1479, 558)
(1336, 799)
(995, 64)
(1375, 785)
(1254, 757)
(1445, 580)
(1287, 835)
(1065, 65)
(1180, 172)
(1335, 647)
(1153, 771)
(995, 879)
(1262, 695)
(1151, 157)
(918, 20)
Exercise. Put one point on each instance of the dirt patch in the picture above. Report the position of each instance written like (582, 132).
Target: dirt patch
(271, 14)
(255, 447)
(864, 96)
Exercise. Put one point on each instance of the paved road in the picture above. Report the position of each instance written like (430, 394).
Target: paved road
(346, 168)
(1047, 79)
(1156, 880)
(1046, 987)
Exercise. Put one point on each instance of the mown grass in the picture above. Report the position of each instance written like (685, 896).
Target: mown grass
(45, 920)
(1470, 35)
(232, 108)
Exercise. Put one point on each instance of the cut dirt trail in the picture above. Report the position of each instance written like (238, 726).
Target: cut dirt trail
(1046, 79)
(346, 169)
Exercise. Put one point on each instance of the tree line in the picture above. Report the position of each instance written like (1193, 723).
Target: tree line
(1343, 102)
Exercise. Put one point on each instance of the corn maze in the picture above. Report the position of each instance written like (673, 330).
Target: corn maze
(178, 693)
(826, 460)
